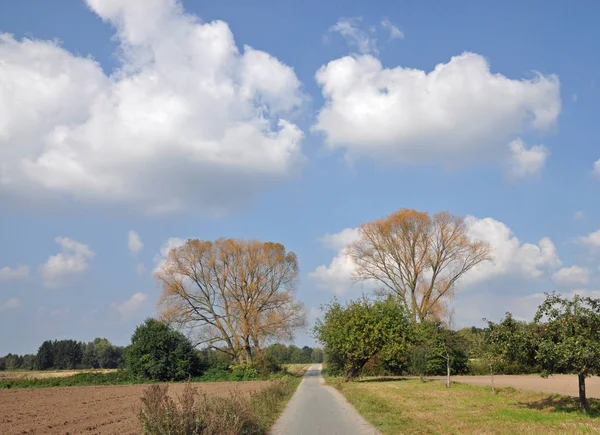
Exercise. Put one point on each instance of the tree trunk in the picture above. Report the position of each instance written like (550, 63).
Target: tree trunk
(582, 398)
(448, 372)
(492, 375)
(351, 374)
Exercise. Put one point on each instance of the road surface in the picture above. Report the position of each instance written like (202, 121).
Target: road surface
(318, 409)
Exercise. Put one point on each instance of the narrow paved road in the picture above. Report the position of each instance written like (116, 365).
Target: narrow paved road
(318, 409)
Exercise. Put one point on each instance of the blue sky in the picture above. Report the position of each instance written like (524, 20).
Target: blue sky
(293, 122)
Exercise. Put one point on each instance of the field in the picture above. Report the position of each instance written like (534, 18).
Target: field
(46, 374)
(93, 410)
(411, 407)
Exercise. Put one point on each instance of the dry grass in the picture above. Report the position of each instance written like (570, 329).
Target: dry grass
(297, 369)
(194, 414)
(413, 407)
(47, 374)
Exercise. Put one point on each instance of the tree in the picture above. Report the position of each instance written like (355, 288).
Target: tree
(417, 257)
(157, 352)
(45, 355)
(316, 356)
(237, 294)
(362, 329)
(569, 339)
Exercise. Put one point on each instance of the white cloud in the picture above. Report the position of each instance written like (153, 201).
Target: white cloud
(597, 168)
(579, 214)
(187, 120)
(459, 111)
(15, 273)
(62, 268)
(10, 304)
(527, 161)
(337, 276)
(356, 38)
(592, 239)
(571, 276)
(509, 255)
(129, 308)
(134, 242)
(171, 243)
(395, 32)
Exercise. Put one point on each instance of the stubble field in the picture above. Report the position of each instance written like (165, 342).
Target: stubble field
(89, 410)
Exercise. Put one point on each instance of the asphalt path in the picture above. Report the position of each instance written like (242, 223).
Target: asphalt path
(318, 409)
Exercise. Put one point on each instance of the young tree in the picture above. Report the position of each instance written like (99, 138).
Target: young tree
(355, 333)
(417, 257)
(237, 294)
(157, 352)
(570, 338)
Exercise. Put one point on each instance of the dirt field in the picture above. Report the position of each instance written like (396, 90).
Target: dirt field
(559, 384)
(18, 374)
(87, 410)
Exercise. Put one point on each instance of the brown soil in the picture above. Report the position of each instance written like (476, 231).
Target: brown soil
(566, 385)
(88, 410)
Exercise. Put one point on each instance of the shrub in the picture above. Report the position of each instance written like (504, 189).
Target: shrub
(159, 353)
(194, 414)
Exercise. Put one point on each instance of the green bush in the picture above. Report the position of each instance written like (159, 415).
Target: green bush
(159, 353)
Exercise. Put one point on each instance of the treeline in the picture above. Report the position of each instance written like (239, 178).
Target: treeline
(68, 355)
(282, 354)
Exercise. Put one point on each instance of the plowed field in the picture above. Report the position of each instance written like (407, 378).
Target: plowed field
(88, 410)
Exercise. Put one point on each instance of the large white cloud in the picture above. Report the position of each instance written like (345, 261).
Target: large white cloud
(459, 111)
(592, 239)
(510, 257)
(187, 119)
(61, 269)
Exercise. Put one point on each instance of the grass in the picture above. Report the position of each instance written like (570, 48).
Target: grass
(296, 369)
(76, 380)
(406, 406)
(237, 414)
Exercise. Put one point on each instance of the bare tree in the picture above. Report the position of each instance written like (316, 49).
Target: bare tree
(417, 257)
(236, 294)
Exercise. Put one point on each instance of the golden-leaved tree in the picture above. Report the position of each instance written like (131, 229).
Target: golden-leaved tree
(418, 257)
(236, 294)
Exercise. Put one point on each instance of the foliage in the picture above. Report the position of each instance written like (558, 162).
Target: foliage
(236, 294)
(569, 340)
(417, 257)
(212, 415)
(77, 380)
(160, 353)
(432, 346)
(360, 330)
(282, 354)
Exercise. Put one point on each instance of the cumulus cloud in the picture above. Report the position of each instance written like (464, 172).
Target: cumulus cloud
(510, 256)
(171, 243)
(358, 39)
(592, 239)
(394, 32)
(459, 111)
(127, 310)
(134, 242)
(62, 268)
(14, 273)
(187, 119)
(10, 304)
(337, 276)
(596, 169)
(571, 276)
(527, 161)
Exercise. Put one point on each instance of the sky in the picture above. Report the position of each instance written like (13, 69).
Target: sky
(129, 126)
